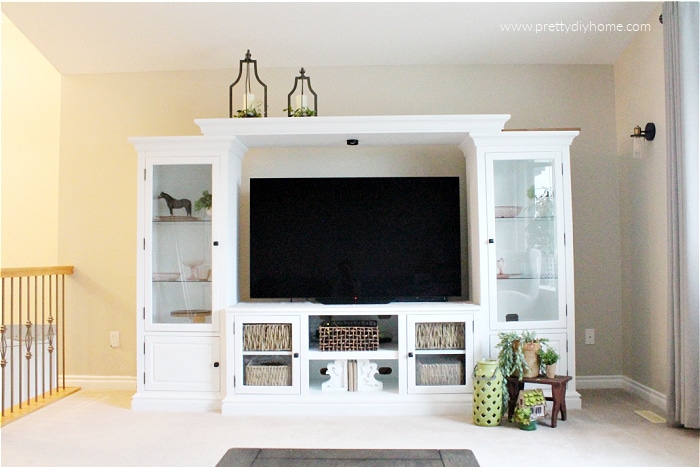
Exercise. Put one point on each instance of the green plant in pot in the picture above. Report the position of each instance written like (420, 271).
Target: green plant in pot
(530, 346)
(521, 416)
(204, 202)
(525, 412)
(548, 360)
(518, 356)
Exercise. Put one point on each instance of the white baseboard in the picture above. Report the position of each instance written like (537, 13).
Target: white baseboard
(102, 383)
(650, 395)
(656, 398)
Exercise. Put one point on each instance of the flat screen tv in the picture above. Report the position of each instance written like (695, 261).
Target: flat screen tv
(355, 240)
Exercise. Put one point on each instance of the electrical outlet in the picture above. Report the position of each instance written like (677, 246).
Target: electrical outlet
(590, 336)
(114, 339)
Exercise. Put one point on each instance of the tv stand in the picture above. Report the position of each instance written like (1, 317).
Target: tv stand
(203, 345)
(352, 383)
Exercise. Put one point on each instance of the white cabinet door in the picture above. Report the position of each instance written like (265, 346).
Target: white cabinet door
(267, 354)
(182, 363)
(440, 353)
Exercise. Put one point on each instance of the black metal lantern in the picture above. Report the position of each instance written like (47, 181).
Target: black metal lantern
(301, 107)
(249, 106)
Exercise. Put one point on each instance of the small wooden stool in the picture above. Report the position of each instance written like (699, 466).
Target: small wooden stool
(558, 384)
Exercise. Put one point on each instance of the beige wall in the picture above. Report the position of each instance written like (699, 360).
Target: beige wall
(97, 175)
(31, 97)
(98, 171)
(639, 98)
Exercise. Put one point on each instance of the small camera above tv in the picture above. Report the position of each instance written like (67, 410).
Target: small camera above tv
(355, 240)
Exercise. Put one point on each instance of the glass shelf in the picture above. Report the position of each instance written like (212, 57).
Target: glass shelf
(182, 281)
(180, 220)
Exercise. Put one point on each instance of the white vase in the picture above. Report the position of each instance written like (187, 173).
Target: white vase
(551, 370)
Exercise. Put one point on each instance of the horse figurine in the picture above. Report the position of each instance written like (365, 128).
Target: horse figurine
(176, 203)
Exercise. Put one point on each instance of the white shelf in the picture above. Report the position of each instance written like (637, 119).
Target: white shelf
(391, 389)
(386, 352)
(268, 352)
(384, 130)
(441, 352)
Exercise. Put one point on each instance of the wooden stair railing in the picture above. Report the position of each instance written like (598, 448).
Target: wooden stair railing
(32, 337)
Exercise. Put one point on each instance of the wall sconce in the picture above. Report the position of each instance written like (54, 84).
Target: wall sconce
(249, 106)
(301, 106)
(639, 149)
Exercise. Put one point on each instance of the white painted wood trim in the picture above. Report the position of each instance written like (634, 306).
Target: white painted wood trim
(625, 383)
(102, 383)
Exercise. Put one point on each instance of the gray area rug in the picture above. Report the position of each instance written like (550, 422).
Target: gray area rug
(348, 458)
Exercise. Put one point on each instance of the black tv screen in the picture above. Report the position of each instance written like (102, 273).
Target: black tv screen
(355, 240)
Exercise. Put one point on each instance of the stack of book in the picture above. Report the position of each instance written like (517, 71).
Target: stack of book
(352, 375)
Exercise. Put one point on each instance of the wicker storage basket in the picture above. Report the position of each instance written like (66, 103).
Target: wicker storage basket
(439, 373)
(268, 374)
(439, 336)
(267, 336)
(348, 336)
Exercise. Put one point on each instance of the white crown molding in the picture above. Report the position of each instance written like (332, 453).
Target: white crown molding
(368, 130)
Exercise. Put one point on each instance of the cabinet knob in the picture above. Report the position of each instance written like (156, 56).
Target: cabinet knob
(410, 354)
(296, 355)
(216, 364)
(491, 240)
(216, 243)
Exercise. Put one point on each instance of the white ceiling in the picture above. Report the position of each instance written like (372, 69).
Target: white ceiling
(133, 37)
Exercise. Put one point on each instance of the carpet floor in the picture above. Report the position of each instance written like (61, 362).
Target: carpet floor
(348, 458)
(98, 428)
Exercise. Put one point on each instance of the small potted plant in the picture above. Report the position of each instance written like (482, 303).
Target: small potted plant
(519, 354)
(204, 202)
(548, 359)
(530, 406)
(521, 416)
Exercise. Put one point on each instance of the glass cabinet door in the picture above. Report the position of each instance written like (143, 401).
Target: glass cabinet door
(180, 247)
(439, 353)
(527, 227)
(267, 354)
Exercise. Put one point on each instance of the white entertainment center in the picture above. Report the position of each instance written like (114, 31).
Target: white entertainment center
(204, 345)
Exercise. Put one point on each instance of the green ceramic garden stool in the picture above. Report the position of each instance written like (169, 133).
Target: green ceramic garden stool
(488, 393)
